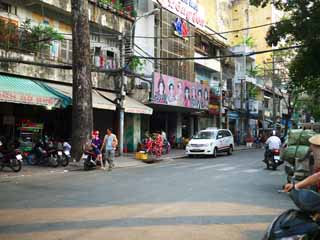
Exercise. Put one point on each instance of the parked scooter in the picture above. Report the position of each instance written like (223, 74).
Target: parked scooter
(44, 153)
(298, 224)
(66, 154)
(89, 157)
(273, 159)
(11, 158)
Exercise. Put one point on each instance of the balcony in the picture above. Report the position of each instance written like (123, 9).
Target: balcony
(106, 15)
(212, 64)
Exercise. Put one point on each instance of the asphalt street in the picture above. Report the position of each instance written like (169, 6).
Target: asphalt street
(230, 197)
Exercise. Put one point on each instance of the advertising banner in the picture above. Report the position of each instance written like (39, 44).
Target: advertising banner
(186, 9)
(169, 90)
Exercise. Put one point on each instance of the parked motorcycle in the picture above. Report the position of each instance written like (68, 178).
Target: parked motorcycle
(273, 159)
(44, 153)
(301, 223)
(65, 154)
(11, 158)
(89, 159)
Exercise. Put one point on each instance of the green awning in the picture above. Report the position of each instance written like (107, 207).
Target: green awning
(27, 91)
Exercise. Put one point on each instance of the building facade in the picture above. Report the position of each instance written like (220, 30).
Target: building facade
(47, 69)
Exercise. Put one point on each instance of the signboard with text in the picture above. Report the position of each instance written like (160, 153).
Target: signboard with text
(186, 9)
(176, 92)
(28, 99)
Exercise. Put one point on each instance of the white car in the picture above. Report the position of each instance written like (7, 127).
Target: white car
(210, 142)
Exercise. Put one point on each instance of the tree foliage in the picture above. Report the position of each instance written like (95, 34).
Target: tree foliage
(301, 25)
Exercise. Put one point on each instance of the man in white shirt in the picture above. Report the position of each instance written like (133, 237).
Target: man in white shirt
(272, 143)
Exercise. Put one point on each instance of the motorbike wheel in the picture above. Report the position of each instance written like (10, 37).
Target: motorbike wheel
(64, 161)
(53, 161)
(15, 165)
(274, 167)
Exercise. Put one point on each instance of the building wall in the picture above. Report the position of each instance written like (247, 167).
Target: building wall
(257, 16)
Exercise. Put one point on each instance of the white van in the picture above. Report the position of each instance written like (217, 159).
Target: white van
(210, 142)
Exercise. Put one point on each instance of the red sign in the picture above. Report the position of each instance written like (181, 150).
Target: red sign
(28, 99)
(214, 109)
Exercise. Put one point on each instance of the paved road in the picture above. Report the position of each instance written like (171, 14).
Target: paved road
(231, 197)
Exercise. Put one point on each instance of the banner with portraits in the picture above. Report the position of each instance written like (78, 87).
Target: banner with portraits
(169, 90)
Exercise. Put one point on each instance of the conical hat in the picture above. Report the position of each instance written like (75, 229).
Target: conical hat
(315, 140)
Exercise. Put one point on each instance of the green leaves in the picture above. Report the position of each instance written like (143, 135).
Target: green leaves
(136, 65)
(38, 37)
(301, 25)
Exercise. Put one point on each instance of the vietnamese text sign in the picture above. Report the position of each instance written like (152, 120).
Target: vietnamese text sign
(27, 99)
(186, 9)
(176, 92)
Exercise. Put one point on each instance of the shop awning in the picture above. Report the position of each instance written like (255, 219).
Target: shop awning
(98, 101)
(26, 91)
(130, 105)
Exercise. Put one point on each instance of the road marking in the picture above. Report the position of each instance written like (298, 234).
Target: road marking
(207, 167)
(226, 169)
(251, 170)
(188, 166)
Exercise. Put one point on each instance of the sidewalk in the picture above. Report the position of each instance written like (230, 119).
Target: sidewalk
(126, 161)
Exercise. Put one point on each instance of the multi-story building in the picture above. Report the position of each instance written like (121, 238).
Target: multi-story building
(36, 80)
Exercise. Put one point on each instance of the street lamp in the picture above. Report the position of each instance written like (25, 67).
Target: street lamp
(122, 89)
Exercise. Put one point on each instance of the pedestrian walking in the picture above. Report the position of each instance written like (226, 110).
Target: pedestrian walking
(109, 145)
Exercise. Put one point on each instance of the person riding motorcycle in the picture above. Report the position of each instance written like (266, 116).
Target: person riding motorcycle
(308, 182)
(272, 143)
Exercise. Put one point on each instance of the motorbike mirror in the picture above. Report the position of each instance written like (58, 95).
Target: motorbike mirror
(0, 143)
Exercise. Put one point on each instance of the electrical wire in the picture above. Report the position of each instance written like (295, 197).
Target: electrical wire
(222, 56)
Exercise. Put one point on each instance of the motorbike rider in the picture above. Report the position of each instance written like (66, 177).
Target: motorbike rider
(315, 178)
(308, 182)
(272, 143)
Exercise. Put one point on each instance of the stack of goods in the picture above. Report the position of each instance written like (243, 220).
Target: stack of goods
(297, 153)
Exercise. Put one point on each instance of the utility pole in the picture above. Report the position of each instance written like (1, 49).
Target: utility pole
(122, 94)
(82, 116)
(221, 97)
(274, 114)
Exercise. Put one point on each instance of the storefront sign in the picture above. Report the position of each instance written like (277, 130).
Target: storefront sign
(27, 99)
(176, 92)
(214, 109)
(186, 9)
(253, 107)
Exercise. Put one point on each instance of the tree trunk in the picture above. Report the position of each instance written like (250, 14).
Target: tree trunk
(82, 116)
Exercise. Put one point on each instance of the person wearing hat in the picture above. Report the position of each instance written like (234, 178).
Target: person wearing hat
(315, 178)
(315, 148)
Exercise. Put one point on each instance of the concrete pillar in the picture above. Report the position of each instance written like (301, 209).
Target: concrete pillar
(191, 126)
(136, 130)
(179, 126)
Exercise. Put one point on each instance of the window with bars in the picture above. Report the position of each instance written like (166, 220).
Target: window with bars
(176, 47)
(65, 53)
